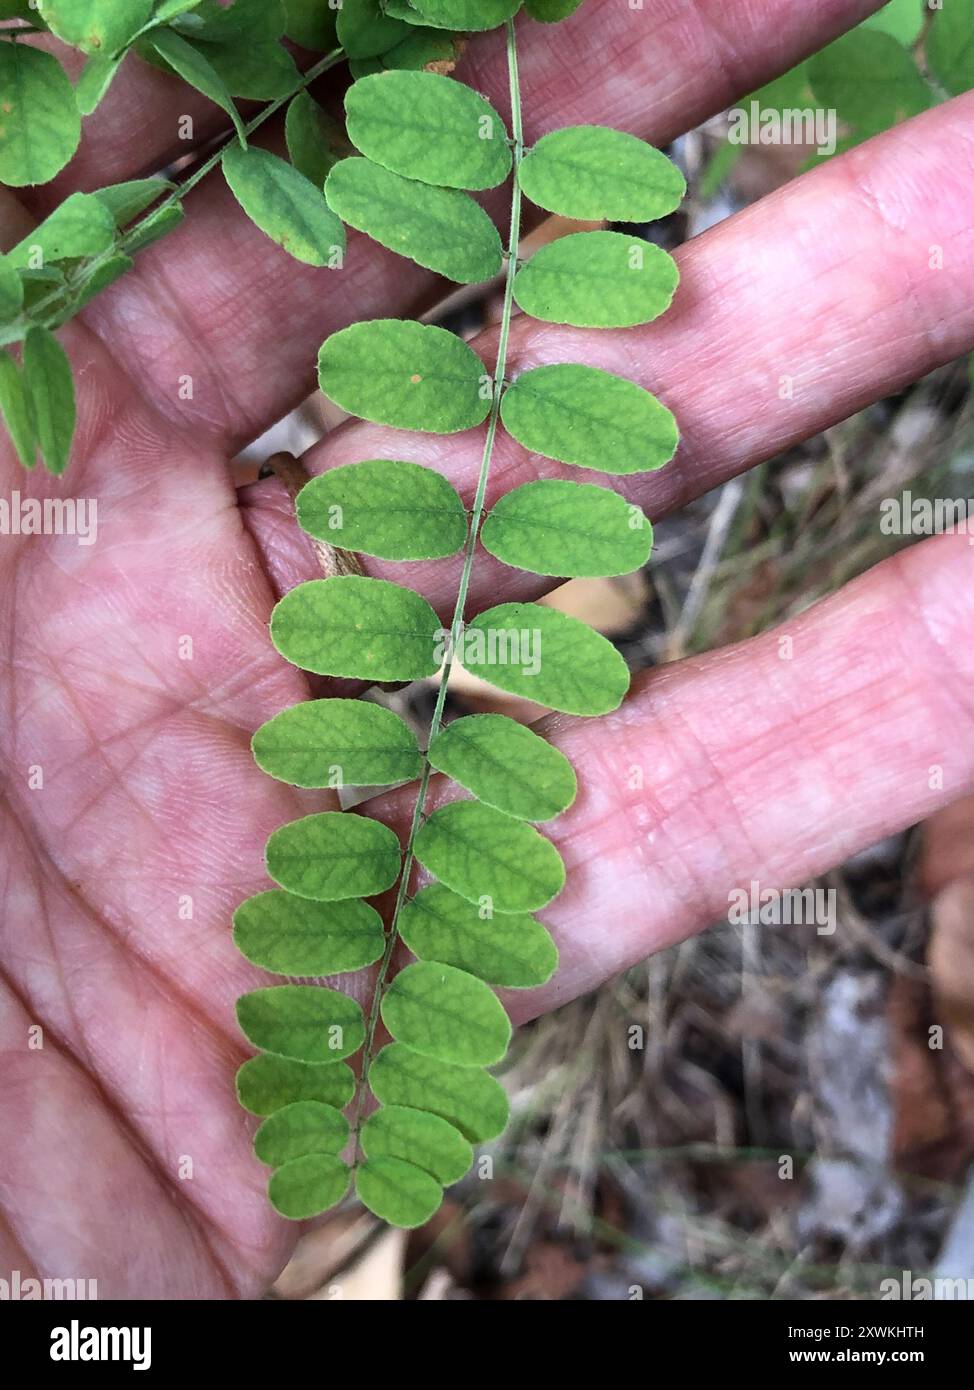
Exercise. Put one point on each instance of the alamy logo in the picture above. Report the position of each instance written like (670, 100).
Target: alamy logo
(915, 1290)
(77, 1343)
(501, 646)
(924, 516)
(18, 1289)
(755, 906)
(50, 516)
(753, 125)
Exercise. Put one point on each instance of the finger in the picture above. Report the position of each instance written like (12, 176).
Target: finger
(766, 762)
(789, 317)
(218, 304)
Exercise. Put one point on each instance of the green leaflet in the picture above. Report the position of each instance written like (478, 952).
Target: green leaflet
(490, 859)
(571, 530)
(578, 671)
(471, 15)
(258, 72)
(590, 418)
(80, 226)
(511, 950)
(267, 1083)
(311, 23)
(901, 18)
(331, 856)
(473, 1102)
(337, 743)
(439, 228)
(870, 80)
(412, 376)
(15, 407)
(312, 139)
(98, 279)
(285, 205)
(420, 49)
(214, 23)
(156, 226)
(96, 26)
(398, 1192)
(364, 31)
(50, 394)
(293, 936)
(950, 46)
(41, 122)
(127, 201)
(365, 629)
(196, 69)
(306, 1186)
(306, 1022)
(597, 280)
(392, 509)
(446, 1014)
(420, 1138)
(593, 173)
(306, 1127)
(94, 81)
(11, 290)
(506, 766)
(551, 11)
(428, 127)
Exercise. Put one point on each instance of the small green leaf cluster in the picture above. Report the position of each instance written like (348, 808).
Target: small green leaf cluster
(424, 146)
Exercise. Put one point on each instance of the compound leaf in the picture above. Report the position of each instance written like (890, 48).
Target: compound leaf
(571, 530)
(365, 629)
(506, 766)
(398, 1192)
(597, 280)
(293, 936)
(337, 743)
(590, 418)
(331, 856)
(306, 1127)
(512, 950)
(307, 1186)
(267, 1083)
(306, 1022)
(41, 123)
(596, 174)
(285, 205)
(411, 376)
(15, 406)
(428, 127)
(442, 229)
(420, 1138)
(447, 1014)
(472, 1101)
(577, 670)
(50, 394)
(392, 509)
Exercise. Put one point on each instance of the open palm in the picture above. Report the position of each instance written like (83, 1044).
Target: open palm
(136, 669)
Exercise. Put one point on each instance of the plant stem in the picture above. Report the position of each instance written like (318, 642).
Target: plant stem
(330, 60)
(456, 628)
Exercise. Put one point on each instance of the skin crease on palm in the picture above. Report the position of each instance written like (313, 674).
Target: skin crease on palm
(753, 766)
